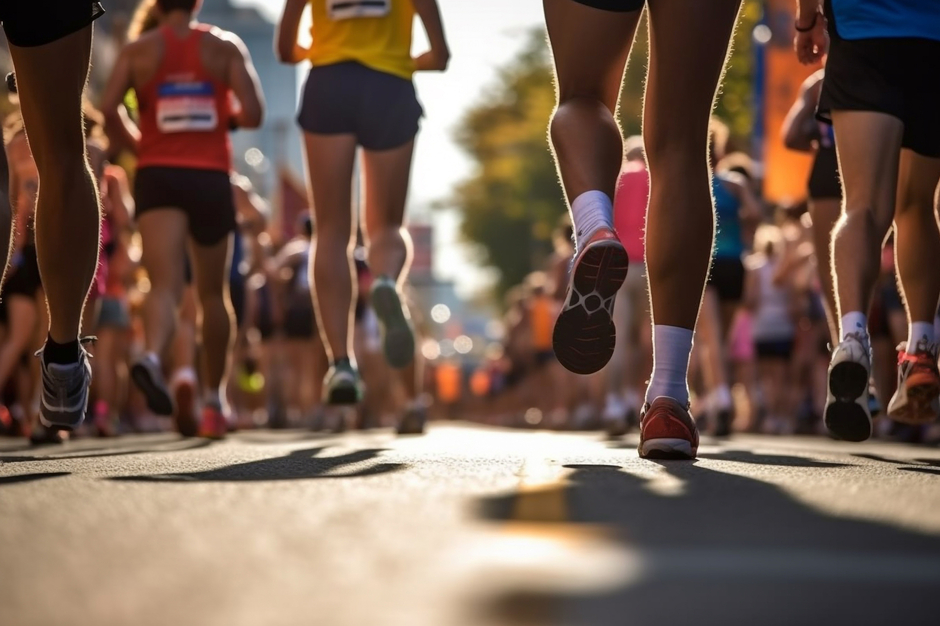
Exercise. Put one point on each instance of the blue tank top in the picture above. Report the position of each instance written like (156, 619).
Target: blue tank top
(869, 19)
(729, 244)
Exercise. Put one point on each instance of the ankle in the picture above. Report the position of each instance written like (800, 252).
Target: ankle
(61, 353)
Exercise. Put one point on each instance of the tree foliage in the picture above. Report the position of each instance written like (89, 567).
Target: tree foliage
(513, 200)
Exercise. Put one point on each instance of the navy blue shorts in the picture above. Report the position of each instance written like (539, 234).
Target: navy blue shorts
(380, 109)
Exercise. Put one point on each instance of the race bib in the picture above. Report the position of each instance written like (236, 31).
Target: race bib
(352, 9)
(186, 107)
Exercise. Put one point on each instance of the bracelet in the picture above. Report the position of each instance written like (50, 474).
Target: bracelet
(811, 26)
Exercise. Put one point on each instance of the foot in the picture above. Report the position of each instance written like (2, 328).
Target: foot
(413, 422)
(917, 399)
(185, 418)
(42, 435)
(398, 340)
(724, 418)
(149, 378)
(667, 431)
(584, 335)
(342, 384)
(847, 415)
(64, 401)
(213, 424)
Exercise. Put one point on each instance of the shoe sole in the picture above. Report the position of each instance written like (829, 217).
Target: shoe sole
(919, 408)
(844, 417)
(342, 396)
(668, 449)
(158, 400)
(398, 338)
(584, 342)
(185, 419)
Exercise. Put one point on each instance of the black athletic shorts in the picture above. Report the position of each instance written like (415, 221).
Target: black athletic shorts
(205, 196)
(380, 109)
(23, 276)
(727, 277)
(896, 76)
(30, 23)
(776, 349)
(621, 6)
(824, 182)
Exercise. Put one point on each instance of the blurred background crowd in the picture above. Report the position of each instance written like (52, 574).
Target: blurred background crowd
(760, 357)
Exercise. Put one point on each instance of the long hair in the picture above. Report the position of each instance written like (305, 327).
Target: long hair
(146, 17)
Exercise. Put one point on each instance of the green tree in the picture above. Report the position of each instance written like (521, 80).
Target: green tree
(512, 203)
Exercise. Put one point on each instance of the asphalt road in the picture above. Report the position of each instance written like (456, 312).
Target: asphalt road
(466, 526)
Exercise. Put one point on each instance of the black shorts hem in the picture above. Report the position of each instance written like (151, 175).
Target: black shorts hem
(205, 196)
(727, 278)
(618, 6)
(39, 22)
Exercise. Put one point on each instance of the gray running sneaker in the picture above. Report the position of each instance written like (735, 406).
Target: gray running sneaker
(64, 399)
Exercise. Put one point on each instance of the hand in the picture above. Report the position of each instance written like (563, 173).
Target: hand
(432, 61)
(300, 54)
(812, 45)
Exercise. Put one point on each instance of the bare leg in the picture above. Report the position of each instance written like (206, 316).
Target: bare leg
(825, 214)
(330, 160)
(163, 233)
(869, 147)
(386, 174)
(51, 79)
(689, 43)
(216, 315)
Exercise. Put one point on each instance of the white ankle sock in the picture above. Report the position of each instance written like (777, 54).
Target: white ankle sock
(920, 331)
(213, 397)
(153, 358)
(856, 322)
(721, 398)
(671, 348)
(590, 211)
(183, 375)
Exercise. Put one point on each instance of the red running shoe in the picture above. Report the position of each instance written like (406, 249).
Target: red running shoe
(584, 335)
(667, 431)
(214, 425)
(917, 399)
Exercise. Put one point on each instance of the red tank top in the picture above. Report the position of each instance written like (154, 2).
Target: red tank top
(184, 112)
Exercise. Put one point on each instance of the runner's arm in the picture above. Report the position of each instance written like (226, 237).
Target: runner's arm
(118, 124)
(6, 215)
(286, 47)
(438, 56)
(799, 128)
(245, 84)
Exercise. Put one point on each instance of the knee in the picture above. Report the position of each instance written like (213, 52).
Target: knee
(681, 143)
(574, 108)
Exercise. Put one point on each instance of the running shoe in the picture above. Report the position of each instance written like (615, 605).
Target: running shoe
(847, 414)
(412, 422)
(917, 399)
(185, 418)
(149, 378)
(584, 334)
(724, 418)
(398, 340)
(342, 384)
(64, 400)
(667, 431)
(213, 424)
(42, 436)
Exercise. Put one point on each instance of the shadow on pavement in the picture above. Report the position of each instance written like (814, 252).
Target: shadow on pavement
(26, 478)
(921, 470)
(722, 549)
(298, 465)
(746, 456)
(97, 453)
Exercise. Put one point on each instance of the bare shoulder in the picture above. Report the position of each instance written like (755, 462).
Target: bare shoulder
(225, 42)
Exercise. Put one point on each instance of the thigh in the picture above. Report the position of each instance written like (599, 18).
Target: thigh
(689, 43)
(869, 146)
(385, 186)
(211, 267)
(330, 160)
(590, 47)
(163, 235)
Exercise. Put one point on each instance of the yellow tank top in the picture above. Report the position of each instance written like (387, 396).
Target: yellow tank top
(376, 33)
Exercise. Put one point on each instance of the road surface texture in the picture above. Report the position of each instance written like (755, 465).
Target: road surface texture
(467, 526)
